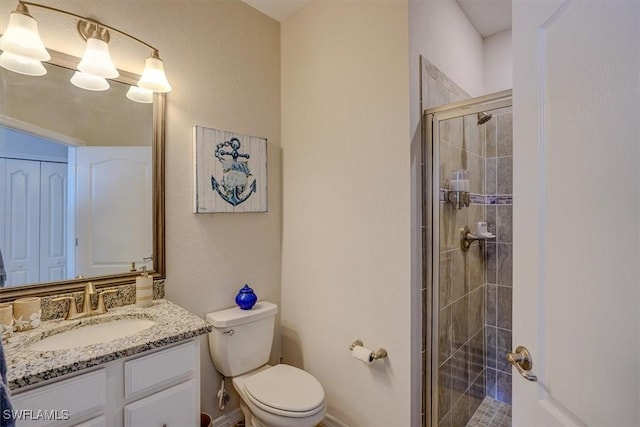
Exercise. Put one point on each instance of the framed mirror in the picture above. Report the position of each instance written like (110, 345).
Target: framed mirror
(81, 183)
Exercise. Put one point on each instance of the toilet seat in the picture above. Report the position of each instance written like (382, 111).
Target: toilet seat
(285, 390)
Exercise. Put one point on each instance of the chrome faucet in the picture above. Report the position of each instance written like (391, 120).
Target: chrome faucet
(87, 307)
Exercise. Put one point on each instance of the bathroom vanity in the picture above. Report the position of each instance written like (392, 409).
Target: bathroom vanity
(149, 377)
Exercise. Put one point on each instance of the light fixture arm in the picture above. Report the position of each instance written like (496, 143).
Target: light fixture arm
(24, 51)
(85, 19)
(22, 8)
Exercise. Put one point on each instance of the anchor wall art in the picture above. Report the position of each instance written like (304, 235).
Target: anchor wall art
(230, 171)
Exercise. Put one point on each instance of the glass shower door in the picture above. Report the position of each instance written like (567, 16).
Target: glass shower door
(463, 296)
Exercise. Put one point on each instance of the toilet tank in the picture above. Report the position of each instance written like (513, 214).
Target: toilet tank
(241, 339)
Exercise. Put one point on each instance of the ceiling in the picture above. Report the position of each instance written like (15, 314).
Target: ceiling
(487, 16)
(277, 9)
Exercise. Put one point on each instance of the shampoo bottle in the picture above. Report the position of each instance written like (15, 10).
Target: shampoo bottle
(144, 289)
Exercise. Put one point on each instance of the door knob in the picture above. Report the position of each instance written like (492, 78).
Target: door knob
(521, 359)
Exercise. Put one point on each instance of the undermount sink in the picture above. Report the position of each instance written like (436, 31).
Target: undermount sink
(92, 334)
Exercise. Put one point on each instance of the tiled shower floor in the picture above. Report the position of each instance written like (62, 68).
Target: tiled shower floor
(491, 413)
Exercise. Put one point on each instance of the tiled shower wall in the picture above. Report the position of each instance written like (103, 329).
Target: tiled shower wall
(498, 263)
(474, 318)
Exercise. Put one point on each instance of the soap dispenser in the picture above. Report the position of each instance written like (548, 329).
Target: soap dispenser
(144, 289)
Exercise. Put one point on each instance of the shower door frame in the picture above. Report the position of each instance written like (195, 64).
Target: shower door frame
(431, 119)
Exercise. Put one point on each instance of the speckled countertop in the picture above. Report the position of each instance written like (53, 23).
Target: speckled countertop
(26, 366)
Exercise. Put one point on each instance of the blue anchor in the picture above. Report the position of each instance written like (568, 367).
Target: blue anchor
(235, 173)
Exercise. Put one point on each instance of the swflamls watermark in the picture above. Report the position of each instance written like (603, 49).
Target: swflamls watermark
(36, 414)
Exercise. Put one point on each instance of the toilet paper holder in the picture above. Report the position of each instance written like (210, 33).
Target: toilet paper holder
(381, 353)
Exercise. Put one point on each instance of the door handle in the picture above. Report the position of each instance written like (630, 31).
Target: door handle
(521, 359)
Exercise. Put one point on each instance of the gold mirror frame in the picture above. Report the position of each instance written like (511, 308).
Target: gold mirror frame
(159, 249)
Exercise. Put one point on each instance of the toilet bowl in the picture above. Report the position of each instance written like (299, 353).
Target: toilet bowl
(281, 396)
(271, 396)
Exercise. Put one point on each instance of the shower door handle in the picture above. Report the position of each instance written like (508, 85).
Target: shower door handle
(521, 360)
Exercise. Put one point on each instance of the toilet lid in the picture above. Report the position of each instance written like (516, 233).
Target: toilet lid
(285, 388)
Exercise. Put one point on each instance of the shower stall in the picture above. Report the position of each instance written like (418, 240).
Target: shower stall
(467, 250)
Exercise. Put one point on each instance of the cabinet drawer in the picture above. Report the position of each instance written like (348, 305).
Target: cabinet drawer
(160, 369)
(174, 407)
(59, 402)
(100, 421)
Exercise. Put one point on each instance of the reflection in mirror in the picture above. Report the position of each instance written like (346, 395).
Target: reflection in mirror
(76, 180)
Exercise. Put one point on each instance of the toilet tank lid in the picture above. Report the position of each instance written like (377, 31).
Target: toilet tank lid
(236, 316)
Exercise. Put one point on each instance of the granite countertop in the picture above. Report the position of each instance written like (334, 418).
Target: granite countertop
(27, 366)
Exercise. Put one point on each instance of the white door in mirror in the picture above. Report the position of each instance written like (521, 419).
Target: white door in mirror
(114, 214)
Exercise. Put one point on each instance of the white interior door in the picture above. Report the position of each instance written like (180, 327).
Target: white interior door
(53, 221)
(114, 209)
(576, 290)
(20, 248)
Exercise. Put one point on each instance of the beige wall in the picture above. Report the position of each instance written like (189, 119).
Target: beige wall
(442, 33)
(223, 61)
(498, 62)
(346, 212)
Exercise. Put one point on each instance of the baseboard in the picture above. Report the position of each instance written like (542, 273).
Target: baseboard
(230, 419)
(330, 421)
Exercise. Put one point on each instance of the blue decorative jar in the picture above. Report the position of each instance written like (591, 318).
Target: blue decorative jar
(246, 298)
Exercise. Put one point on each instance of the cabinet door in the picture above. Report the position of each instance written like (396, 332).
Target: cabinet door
(177, 406)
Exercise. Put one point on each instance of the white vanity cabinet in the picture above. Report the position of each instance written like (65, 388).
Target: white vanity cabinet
(159, 388)
(154, 376)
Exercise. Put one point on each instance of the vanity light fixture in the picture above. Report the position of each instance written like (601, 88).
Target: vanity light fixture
(138, 94)
(89, 81)
(22, 64)
(96, 65)
(96, 59)
(21, 45)
(23, 52)
(153, 77)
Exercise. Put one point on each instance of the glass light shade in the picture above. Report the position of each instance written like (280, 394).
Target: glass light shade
(89, 81)
(22, 65)
(22, 38)
(153, 77)
(138, 94)
(97, 61)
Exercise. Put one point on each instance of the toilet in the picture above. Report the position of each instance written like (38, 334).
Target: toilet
(271, 396)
